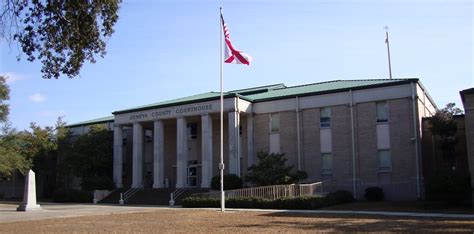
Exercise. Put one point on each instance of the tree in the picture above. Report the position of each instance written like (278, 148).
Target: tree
(61, 33)
(447, 183)
(443, 125)
(90, 157)
(13, 153)
(4, 96)
(23, 150)
(271, 170)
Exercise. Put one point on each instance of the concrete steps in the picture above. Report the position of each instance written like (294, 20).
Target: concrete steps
(151, 196)
(113, 198)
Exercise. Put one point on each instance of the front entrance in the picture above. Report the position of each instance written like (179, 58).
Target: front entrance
(192, 175)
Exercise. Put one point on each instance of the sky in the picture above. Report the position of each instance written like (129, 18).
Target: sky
(163, 50)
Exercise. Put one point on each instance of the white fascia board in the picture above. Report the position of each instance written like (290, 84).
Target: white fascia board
(171, 112)
(244, 106)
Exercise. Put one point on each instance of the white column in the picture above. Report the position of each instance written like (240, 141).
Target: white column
(181, 153)
(250, 153)
(206, 153)
(137, 175)
(234, 160)
(118, 160)
(158, 155)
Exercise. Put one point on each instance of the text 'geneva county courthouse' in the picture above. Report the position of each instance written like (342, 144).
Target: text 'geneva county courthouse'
(352, 133)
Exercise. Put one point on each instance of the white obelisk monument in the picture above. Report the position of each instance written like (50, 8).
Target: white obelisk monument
(29, 196)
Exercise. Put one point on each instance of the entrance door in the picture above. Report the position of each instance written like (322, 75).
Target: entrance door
(192, 175)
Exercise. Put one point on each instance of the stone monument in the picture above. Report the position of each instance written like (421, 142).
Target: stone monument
(29, 195)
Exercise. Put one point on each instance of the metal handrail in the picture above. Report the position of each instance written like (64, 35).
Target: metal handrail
(175, 195)
(271, 192)
(127, 194)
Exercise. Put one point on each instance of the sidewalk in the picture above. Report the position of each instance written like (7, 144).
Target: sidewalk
(8, 211)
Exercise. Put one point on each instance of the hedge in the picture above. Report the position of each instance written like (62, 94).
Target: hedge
(72, 195)
(303, 203)
(231, 181)
(374, 194)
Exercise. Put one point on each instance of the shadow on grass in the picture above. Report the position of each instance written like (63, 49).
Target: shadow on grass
(406, 206)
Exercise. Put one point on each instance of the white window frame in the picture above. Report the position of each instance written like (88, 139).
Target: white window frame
(327, 124)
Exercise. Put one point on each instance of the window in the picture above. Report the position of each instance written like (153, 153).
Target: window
(326, 167)
(385, 160)
(148, 135)
(124, 137)
(382, 112)
(192, 131)
(274, 122)
(325, 117)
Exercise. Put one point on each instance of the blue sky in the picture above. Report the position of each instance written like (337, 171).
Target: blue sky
(168, 49)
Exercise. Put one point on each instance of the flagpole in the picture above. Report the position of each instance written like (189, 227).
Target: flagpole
(388, 53)
(221, 164)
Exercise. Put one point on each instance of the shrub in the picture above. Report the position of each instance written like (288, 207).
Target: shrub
(72, 195)
(448, 187)
(193, 202)
(97, 183)
(340, 196)
(298, 176)
(374, 194)
(304, 203)
(271, 169)
(231, 181)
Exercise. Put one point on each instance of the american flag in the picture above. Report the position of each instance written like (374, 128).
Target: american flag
(231, 54)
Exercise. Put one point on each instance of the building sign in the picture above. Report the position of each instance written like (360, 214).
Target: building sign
(171, 112)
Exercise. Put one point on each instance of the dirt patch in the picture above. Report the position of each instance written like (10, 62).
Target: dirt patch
(191, 220)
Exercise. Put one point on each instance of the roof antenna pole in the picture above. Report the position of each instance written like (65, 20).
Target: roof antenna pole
(388, 52)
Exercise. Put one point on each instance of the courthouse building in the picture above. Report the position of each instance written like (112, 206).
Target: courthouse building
(351, 133)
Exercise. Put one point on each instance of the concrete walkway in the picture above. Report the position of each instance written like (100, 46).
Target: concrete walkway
(8, 211)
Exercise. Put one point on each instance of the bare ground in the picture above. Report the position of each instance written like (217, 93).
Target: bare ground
(205, 221)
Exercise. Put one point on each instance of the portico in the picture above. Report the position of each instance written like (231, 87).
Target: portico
(177, 144)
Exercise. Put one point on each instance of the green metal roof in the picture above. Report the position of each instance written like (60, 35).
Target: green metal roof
(255, 90)
(274, 92)
(264, 93)
(93, 121)
(173, 101)
(325, 87)
(182, 101)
